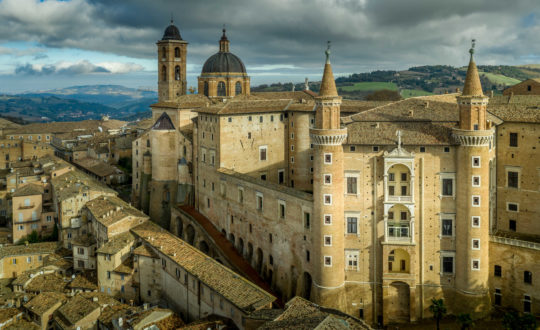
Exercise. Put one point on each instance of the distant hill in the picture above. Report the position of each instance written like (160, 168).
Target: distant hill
(417, 81)
(77, 103)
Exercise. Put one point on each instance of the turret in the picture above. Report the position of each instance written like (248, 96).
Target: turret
(474, 156)
(328, 243)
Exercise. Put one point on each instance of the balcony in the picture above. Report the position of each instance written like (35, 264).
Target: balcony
(27, 207)
(399, 199)
(398, 232)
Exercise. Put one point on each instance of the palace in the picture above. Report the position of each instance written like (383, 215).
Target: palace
(370, 208)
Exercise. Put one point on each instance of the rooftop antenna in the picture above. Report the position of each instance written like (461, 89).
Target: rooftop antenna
(473, 43)
(172, 19)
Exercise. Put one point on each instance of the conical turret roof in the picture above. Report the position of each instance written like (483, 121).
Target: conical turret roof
(328, 84)
(472, 87)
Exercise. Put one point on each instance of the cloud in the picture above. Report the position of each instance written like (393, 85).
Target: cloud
(80, 68)
(288, 34)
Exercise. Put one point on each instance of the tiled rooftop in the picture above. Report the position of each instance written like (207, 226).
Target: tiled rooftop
(75, 309)
(126, 267)
(44, 301)
(47, 282)
(233, 287)
(73, 183)
(96, 166)
(117, 243)
(28, 190)
(109, 210)
(35, 248)
(145, 250)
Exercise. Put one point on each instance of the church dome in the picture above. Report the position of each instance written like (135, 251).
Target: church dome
(223, 62)
(171, 33)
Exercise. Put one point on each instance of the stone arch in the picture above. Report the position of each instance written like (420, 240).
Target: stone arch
(399, 222)
(164, 73)
(203, 246)
(399, 181)
(177, 72)
(240, 247)
(399, 261)
(307, 282)
(205, 88)
(221, 89)
(179, 227)
(238, 88)
(190, 234)
(397, 303)
(224, 232)
(232, 239)
(249, 252)
(177, 52)
(259, 260)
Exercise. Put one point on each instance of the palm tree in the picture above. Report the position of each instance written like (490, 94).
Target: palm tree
(465, 321)
(438, 309)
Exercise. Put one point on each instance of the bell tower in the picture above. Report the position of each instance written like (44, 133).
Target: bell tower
(172, 51)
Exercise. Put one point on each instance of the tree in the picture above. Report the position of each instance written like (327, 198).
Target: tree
(512, 320)
(465, 321)
(438, 309)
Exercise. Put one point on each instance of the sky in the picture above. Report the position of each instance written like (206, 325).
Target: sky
(52, 44)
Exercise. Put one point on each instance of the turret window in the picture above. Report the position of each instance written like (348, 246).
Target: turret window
(327, 240)
(476, 201)
(163, 53)
(327, 219)
(177, 52)
(327, 199)
(475, 222)
(476, 181)
(475, 264)
(164, 73)
(476, 244)
(328, 158)
(205, 87)
(327, 261)
(328, 179)
(476, 161)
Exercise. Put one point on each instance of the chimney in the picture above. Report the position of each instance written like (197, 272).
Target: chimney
(491, 93)
(457, 90)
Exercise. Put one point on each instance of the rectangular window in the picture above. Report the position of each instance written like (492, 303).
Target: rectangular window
(351, 259)
(447, 260)
(328, 179)
(476, 244)
(447, 227)
(513, 179)
(498, 297)
(327, 219)
(447, 187)
(422, 149)
(375, 149)
(526, 304)
(307, 220)
(512, 225)
(281, 209)
(327, 261)
(390, 215)
(476, 161)
(403, 190)
(391, 190)
(513, 207)
(328, 158)
(403, 176)
(476, 201)
(352, 148)
(352, 185)
(403, 216)
(241, 195)
(475, 222)
(513, 139)
(391, 177)
(327, 240)
(281, 176)
(259, 201)
(262, 153)
(446, 149)
(475, 264)
(497, 271)
(108, 275)
(327, 199)
(352, 225)
(527, 277)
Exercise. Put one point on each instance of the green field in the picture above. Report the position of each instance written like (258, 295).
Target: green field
(500, 79)
(406, 93)
(369, 86)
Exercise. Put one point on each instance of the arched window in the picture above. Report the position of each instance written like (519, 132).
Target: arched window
(206, 88)
(221, 90)
(164, 73)
(163, 53)
(177, 52)
(148, 143)
(177, 73)
(238, 88)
